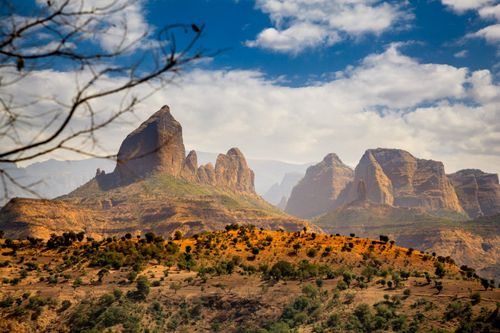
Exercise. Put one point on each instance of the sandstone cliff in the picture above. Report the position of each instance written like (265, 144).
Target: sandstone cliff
(155, 146)
(317, 191)
(397, 178)
(478, 192)
(232, 171)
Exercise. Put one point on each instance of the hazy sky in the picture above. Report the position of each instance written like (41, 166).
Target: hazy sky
(301, 78)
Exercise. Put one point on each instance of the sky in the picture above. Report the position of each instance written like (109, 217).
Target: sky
(298, 79)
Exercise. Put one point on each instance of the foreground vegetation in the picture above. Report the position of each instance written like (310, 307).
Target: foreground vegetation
(239, 280)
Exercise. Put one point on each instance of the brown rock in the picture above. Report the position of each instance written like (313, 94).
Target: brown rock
(156, 146)
(232, 172)
(190, 167)
(320, 187)
(478, 192)
(206, 174)
(395, 177)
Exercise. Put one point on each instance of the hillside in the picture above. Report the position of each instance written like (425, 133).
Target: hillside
(475, 243)
(239, 280)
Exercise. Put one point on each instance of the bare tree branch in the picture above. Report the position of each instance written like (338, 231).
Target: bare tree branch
(108, 59)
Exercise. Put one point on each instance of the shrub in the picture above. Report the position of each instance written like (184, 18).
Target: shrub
(311, 253)
(65, 305)
(7, 302)
(131, 276)
(282, 270)
(342, 285)
(77, 282)
(384, 238)
(475, 298)
(143, 287)
(458, 309)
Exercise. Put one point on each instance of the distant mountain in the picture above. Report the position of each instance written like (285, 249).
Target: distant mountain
(267, 172)
(279, 193)
(478, 192)
(320, 187)
(397, 178)
(53, 178)
(154, 187)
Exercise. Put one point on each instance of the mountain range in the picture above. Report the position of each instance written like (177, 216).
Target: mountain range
(154, 187)
(411, 200)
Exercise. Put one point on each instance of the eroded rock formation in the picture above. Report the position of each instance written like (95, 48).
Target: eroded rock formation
(397, 178)
(317, 191)
(478, 192)
(155, 146)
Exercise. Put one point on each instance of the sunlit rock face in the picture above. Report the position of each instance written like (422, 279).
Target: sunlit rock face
(155, 146)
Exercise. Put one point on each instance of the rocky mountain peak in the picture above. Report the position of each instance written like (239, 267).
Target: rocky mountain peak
(320, 187)
(332, 159)
(395, 177)
(155, 146)
(190, 166)
(232, 171)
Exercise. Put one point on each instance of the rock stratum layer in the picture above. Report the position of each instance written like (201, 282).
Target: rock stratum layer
(154, 187)
(320, 187)
(478, 192)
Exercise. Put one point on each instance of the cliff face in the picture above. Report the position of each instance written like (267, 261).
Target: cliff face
(478, 192)
(155, 146)
(232, 171)
(395, 177)
(320, 187)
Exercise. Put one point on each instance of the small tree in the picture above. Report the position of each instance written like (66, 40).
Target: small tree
(175, 286)
(485, 283)
(143, 287)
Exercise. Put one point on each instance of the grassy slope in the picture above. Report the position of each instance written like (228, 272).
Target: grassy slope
(168, 187)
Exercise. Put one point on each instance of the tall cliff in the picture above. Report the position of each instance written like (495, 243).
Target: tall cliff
(397, 178)
(320, 187)
(478, 192)
(157, 147)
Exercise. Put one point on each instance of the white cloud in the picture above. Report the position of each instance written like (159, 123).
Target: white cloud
(389, 100)
(486, 11)
(491, 33)
(463, 5)
(122, 25)
(461, 54)
(294, 39)
(303, 24)
(490, 12)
